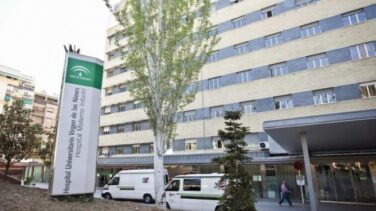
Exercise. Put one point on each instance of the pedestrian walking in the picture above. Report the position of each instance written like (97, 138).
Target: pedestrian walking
(285, 192)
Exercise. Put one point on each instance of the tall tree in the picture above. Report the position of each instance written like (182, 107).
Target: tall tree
(238, 194)
(168, 42)
(19, 138)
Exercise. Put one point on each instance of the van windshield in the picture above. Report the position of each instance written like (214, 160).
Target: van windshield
(114, 181)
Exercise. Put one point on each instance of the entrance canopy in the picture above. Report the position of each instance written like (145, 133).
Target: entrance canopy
(332, 132)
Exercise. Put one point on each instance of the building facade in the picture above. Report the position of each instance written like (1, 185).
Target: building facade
(45, 109)
(15, 85)
(276, 60)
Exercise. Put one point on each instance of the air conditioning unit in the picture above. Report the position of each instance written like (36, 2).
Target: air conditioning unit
(264, 145)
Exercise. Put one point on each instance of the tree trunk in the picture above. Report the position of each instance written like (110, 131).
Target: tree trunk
(7, 168)
(159, 185)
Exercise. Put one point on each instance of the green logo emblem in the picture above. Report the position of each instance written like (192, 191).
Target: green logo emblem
(80, 72)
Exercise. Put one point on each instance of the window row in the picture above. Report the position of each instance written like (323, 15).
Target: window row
(115, 89)
(121, 107)
(128, 149)
(360, 51)
(125, 128)
(116, 71)
(307, 30)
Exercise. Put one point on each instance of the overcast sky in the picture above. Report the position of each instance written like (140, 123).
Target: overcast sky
(33, 32)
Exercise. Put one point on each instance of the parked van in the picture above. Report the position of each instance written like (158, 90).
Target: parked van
(132, 184)
(195, 192)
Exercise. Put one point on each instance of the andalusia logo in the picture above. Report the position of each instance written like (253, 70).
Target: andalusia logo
(80, 72)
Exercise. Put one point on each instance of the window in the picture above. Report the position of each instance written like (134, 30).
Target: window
(120, 128)
(190, 144)
(191, 89)
(189, 116)
(151, 148)
(245, 76)
(136, 126)
(137, 105)
(192, 184)
(235, 1)
(283, 102)
(217, 143)
(121, 107)
(213, 56)
(310, 30)
(216, 112)
(324, 96)
(270, 170)
(317, 61)
(362, 51)
(237, 22)
(107, 110)
(248, 107)
(278, 69)
(368, 90)
(122, 88)
(354, 17)
(136, 149)
(106, 130)
(241, 48)
(214, 30)
(108, 91)
(119, 150)
(273, 40)
(114, 181)
(268, 12)
(302, 3)
(214, 83)
(173, 186)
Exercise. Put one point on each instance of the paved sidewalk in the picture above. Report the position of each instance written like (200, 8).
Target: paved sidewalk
(269, 205)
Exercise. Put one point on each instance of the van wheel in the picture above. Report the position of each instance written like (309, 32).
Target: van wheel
(107, 196)
(148, 199)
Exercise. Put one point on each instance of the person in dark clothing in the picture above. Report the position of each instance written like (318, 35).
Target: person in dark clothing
(285, 192)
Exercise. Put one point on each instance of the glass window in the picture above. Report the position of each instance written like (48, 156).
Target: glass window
(214, 30)
(238, 22)
(136, 126)
(106, 130)
(317, 61)
(121, 107)
(214, 83)
(107, 110)
(189, 116)
(310, 29)
(119, 150)
(108, 91)
(213, 56)
(137, 105)
(354, 17)
(248, 107)
(114, 181)
(368, 90)
(283, 102)
(122, 88)
(190, 144)
(192, 184)
(120, 128)
(241, 48)
(174, 186)
(151, 148)
(268, 12)
(302, 3)
(136, 149)
(217, 143)
(278, 69)
(216, 112)
(324, 96)
(362, 51)
(245, 76)
(273, 40)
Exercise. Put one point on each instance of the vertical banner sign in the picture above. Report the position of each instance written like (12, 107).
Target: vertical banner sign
(78, 125)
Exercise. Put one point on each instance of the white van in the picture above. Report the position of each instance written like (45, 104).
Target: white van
(195, 192)
(132, 184)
